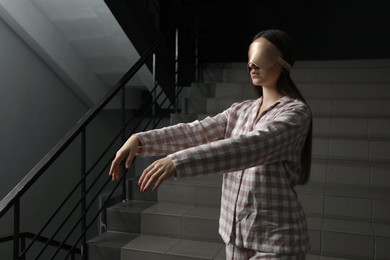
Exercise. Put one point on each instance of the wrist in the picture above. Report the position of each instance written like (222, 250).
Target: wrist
(137, 140)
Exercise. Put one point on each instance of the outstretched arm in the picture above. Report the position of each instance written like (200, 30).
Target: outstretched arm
(269, 142)
(165, 141)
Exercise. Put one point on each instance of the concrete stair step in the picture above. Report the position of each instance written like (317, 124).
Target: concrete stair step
(183, 118)
(351, 148)
(349, 90)
(206, 194)
(196, 191)
(344, 202)
(337, 91)
(224, 65)
(318, 72)
(181, 221)
(362, 174)
(334, 197)
(341, 91)
(108, 245)
(203, 89)
(346, 239)
(352, 126)
(167, 229)
(147, 247)
(235, 74)
(126, 216)
(217, 105)
(234, 90)
(194, 105)
(376, 108)
(341, 238)
(321, 107)
(334, 126)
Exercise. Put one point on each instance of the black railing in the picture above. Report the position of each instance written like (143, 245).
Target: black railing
(28, 235)
(146, 117)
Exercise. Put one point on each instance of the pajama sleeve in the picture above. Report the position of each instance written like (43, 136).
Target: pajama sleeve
(277, 140)
(183, 135)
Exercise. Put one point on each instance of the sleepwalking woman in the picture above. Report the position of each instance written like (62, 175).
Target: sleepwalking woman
(262, 147)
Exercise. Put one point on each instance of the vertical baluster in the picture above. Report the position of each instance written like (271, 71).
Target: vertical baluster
(123, 108)
(22, 245)
(16, 228)
(197, 46)
(176, 68)
(83, 193)
(154, 89)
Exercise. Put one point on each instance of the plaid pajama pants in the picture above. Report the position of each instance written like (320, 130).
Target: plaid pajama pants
(239, 253)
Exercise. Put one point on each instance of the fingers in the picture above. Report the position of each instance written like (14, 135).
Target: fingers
(129, 161)
(115, 165)
(151, 176)
(128, 151)
(114, 169)
(156, 173)
(148, 176)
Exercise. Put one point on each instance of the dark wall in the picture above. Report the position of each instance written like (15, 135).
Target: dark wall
(320, 29)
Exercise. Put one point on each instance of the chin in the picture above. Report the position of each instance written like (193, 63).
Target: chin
(256, 82)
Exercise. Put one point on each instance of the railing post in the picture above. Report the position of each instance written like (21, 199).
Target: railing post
(197, 73)
(123, 108)
(176, 68)
(16, 228)
(22, 245)
(155, 89)
(84, 250)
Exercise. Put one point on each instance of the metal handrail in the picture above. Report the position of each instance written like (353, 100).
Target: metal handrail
(52, 155)
(12, 199)
(42, 239)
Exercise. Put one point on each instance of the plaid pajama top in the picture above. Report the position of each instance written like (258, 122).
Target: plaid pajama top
(260, 159)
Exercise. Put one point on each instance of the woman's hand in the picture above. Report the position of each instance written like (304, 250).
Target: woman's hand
(128, 151)
(156, 173)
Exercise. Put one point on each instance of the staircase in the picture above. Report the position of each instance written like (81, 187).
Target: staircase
(347, 200)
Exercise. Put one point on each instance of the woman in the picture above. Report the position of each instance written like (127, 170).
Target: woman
(263, 147)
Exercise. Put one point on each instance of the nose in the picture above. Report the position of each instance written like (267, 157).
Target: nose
(251, 66)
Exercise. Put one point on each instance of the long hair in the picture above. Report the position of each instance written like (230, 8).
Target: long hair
(286, 85)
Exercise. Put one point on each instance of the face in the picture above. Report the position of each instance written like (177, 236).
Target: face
(263, 63)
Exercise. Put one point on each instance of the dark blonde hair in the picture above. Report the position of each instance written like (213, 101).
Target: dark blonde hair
(286, 85)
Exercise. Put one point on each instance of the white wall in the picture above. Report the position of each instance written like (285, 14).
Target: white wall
(49, 43)
(36, 110)
(34, 103)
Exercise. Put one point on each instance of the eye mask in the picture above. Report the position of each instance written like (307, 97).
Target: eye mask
(264, 56)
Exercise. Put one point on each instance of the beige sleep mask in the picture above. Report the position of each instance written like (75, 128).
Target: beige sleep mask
(264, 55)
